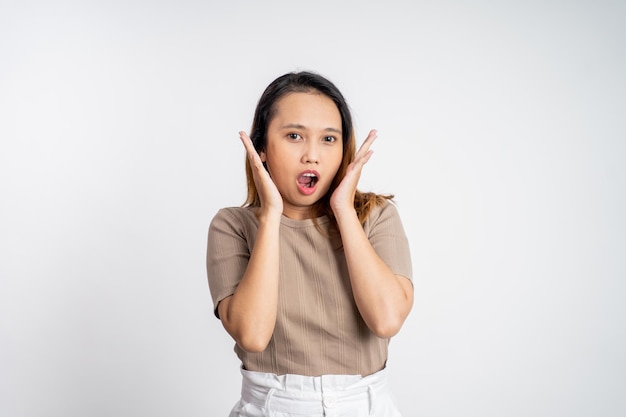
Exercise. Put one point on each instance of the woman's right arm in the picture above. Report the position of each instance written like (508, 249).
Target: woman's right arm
(249, 315)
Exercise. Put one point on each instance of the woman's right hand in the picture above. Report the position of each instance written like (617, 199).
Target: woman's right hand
(271, 200)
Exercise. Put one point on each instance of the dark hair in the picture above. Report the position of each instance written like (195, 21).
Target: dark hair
(303, 82)
(296, 82)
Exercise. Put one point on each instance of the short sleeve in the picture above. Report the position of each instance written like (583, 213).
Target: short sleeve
(386, 234)
(228, 253)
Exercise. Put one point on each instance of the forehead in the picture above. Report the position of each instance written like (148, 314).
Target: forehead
(310, 109)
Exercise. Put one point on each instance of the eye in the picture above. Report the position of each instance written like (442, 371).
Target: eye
(329, 139)
(294, 136)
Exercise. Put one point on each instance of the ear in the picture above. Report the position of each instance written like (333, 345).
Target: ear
(263, 156)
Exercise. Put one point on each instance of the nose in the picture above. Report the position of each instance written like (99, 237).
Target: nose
(311, 154)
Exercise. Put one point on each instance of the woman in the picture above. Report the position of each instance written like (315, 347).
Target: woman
(311, 277)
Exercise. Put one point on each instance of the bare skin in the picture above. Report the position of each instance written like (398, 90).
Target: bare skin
(383, 299)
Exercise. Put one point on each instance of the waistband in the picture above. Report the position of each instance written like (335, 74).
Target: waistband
(306, 394)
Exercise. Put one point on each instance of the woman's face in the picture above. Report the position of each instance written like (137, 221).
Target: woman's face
(304, 150)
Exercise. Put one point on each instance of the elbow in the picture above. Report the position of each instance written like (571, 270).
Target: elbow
(388, 325)
(389, 320)
(253, 343)
(252, 336)
(387, 329)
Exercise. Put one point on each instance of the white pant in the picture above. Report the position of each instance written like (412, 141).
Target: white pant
(270, 395)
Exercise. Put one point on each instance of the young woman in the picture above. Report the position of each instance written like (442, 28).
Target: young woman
(311, 277)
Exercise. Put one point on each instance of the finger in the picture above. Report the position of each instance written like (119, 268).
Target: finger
(366, 157)
(371, 137)
(253, 155)
(247, 142)
(360, 162)
(373, 134)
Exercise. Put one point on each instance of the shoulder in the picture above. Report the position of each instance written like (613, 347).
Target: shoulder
(234, 218)
(385, 214)
(234, 213)
(382, 211)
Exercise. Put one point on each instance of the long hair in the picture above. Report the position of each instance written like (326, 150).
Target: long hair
(303, 82)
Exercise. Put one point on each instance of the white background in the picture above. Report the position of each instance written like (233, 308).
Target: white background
(501, 133)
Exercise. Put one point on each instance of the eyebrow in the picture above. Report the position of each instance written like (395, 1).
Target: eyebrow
(299, 126)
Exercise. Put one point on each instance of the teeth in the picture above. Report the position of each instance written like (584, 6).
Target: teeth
(309, 174)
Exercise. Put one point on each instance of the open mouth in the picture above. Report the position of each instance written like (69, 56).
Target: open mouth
(307, 182)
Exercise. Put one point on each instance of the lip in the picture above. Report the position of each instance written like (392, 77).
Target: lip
(308, 190)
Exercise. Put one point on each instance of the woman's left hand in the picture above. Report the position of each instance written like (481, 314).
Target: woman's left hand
(343, 196)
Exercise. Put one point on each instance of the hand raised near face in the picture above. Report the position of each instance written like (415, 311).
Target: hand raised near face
(271, 200)
(343, 196)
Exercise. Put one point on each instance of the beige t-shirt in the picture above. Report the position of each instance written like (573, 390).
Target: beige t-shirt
(318, 330)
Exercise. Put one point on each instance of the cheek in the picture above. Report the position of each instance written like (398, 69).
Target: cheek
(337, 157)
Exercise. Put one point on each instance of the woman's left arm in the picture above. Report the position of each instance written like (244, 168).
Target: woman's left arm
(383, 298)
